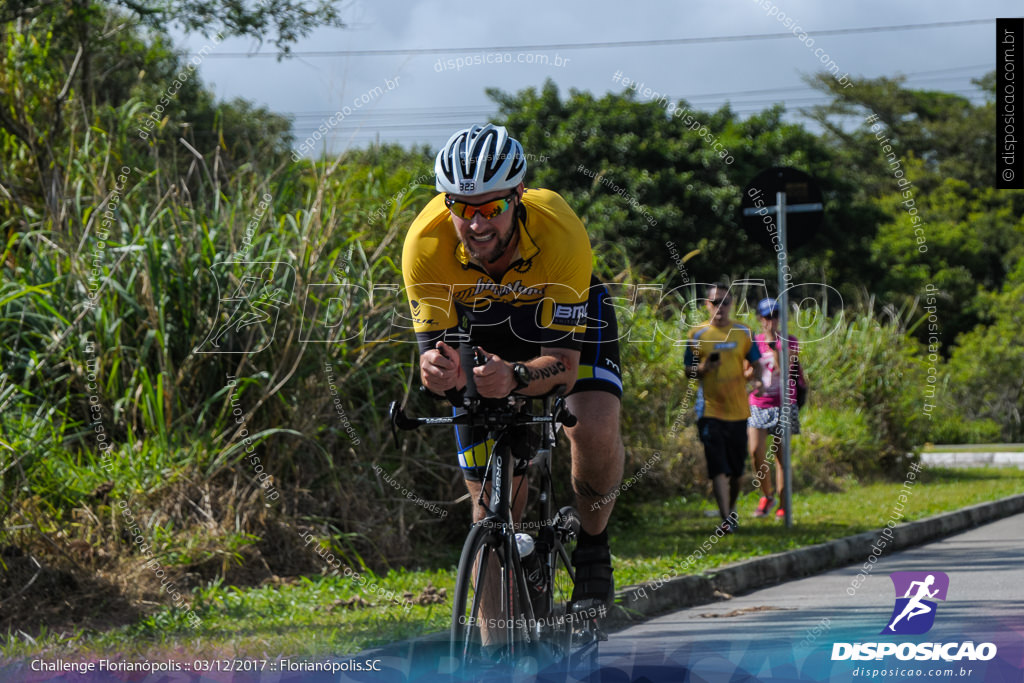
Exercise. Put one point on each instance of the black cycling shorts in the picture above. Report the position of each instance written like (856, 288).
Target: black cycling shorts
(599, 357)
(599, 371)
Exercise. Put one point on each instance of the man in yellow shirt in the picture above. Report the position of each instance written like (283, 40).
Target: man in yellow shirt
(716, 354)
(511, 268)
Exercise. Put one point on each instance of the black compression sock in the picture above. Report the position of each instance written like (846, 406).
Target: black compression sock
(586, 539)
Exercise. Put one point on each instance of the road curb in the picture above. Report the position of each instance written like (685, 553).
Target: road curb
(636, 603)
(993, 458)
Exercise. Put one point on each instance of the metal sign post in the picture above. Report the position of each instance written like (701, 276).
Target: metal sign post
(783, 345)
(796, 225)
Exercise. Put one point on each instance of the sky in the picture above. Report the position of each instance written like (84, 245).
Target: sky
(411, 97)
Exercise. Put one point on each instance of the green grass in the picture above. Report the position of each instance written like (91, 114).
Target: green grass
(297, 616)
(677, 527)
(310, 616)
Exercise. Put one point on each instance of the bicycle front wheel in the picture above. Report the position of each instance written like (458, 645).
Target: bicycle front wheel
(575, 634)
(488, 623)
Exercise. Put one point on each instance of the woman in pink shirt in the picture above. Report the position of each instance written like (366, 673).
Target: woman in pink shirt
(766, 414)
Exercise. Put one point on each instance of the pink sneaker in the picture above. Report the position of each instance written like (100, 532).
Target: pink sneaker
(780, 514)
(764, 505)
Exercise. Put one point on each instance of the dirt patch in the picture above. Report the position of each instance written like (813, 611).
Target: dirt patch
(746, 610)
(34, 596)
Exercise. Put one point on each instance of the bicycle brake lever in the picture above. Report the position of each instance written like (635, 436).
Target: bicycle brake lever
(562, 413)
(393, 409)
(399, 420)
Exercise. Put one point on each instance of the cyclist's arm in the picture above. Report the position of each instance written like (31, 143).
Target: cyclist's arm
(554, 366)
(429, 289)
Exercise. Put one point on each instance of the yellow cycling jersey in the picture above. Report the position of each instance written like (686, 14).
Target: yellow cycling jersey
(540, 301)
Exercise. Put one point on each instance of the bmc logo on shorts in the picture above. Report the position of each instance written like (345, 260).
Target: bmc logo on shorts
(570, 314)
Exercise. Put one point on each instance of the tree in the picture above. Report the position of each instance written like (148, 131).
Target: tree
(924, 165)
(286, 20)
(73, 68)
(986, 368)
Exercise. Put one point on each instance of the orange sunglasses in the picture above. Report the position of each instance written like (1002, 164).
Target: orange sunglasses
(488, 210)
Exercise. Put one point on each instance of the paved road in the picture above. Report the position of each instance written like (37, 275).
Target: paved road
(787, 632)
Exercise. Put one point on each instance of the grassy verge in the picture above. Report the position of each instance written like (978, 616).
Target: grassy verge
(676, 527)
(335, 614)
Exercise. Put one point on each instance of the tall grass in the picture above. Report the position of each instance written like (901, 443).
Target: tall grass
(123, 366)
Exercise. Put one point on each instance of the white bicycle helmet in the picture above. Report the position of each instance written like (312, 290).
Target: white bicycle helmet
(478, 160)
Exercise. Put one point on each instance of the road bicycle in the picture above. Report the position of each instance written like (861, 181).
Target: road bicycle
(500, 618)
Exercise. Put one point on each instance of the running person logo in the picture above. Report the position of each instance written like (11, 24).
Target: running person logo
(914, 611)
(249, 305)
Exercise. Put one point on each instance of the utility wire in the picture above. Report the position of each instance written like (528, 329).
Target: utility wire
(597, 45)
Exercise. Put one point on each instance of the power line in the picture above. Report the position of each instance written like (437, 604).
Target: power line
(387, 118)
(420, 123)
(597, 45)
(419, 129)
(786, 92)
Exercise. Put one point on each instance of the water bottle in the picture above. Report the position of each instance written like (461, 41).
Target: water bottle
(534, 572)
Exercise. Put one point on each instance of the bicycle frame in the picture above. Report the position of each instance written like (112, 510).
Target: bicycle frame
(500, 472)
(546, 533)
(497, 530)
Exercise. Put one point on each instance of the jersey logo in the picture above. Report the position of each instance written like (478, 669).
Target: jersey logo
(522, 266)
(514, 289)
(570, 314)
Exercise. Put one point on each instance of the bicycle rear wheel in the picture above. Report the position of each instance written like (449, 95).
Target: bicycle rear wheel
(489, 628)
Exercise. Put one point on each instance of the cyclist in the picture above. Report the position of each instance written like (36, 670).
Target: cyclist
(511, 268)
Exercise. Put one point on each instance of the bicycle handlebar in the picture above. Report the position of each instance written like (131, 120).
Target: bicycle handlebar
(482, 412)
(489, 418)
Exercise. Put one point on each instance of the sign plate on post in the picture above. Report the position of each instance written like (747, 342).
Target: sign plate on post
(804, 207)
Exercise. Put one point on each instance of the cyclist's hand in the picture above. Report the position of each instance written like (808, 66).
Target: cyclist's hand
(440, 368)
(494, 379)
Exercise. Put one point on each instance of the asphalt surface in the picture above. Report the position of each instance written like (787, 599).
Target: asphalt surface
(781, 619)
(787, 632)
(785, 612)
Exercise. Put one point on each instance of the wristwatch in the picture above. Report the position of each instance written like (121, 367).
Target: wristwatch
(521, 374)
